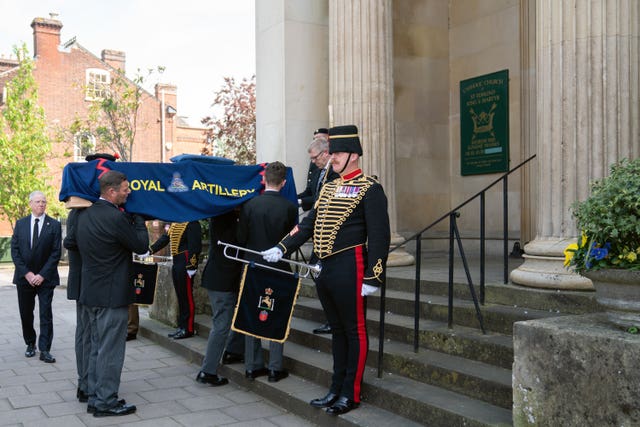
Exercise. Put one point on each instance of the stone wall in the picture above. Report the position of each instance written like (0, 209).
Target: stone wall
(575, 371)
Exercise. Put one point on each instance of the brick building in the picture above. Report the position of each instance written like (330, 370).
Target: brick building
(64, 73)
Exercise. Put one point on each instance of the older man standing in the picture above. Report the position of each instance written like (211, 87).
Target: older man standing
(106, 238)
(35, 250)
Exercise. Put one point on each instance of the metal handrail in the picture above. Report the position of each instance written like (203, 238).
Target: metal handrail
(454, 236)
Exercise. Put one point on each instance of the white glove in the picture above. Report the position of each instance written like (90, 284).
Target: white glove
(191, 273)
(272, 255)
(368, 289)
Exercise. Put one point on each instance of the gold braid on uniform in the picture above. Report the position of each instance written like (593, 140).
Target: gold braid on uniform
(193, 261)
(176, 230)
(332, 211)
(377, 271)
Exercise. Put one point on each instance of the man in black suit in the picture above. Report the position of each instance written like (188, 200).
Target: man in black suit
(83, 333)
(35, 250)
(221, 279)
(263, 221)
(323, 173)
(106, 238)
(318, 176)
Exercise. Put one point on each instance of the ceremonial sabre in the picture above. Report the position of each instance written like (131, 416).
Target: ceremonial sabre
(305, 269)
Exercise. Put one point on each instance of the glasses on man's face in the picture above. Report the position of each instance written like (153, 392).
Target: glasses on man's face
(314, 158)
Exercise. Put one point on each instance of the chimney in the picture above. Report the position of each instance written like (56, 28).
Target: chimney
(170, 96)
(115, 58)
(46, 36)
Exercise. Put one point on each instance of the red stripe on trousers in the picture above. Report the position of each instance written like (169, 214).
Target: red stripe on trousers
(362, 330)
(192, 309)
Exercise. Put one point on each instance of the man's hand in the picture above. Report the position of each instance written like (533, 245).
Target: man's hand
(272, 255)
(192, 272)
(368, 289)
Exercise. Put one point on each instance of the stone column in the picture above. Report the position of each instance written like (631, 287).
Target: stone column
(587, 118)
(361, 87)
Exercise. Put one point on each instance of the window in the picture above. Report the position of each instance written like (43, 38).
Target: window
(97, 84)
(84, 144)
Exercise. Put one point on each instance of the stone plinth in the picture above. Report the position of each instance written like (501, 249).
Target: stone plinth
(575, 371)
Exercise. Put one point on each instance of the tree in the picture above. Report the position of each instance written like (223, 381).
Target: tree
(234, 135)
(112, 119)
(24, 142)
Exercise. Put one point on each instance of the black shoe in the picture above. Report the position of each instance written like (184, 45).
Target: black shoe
(46, 357)
(176, 332)
(324, 402)
(213, 380)
(229, 358)
(252, 375)
(82, 396)
(324, 329)
(119, 409)
(31, 350)
(342, 406)
(131, 337)
(275, 376)
(92, 409)
(182, 334)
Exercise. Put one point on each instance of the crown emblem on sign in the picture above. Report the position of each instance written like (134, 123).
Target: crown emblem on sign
(483, 122)
(268, 291)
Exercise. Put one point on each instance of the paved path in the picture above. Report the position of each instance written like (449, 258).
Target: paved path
(160, 383)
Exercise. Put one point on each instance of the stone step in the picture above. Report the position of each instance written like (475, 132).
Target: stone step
(492, 348)
(565, 302)
(292, 394)
(469, 377)
(496, 317)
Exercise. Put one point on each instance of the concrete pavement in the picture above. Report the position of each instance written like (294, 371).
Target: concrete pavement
(160, 383)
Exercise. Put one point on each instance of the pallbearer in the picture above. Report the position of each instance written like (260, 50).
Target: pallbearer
(186, 243)
(349, 224)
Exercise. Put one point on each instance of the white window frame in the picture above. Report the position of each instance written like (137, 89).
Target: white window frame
(84, 143)
(97, 83)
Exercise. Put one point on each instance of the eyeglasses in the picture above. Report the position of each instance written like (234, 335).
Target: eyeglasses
(314, 158)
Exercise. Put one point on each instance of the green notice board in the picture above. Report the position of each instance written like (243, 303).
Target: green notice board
(484, 124)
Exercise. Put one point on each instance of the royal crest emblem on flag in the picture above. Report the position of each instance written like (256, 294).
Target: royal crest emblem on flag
(275, 293)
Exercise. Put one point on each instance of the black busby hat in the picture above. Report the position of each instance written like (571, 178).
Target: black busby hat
(344, 139)
(100, 156)
(320, 130)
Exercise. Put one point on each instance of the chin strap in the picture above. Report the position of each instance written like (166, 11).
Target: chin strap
(345, 164)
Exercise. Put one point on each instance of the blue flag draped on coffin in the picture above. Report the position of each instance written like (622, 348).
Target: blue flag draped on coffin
(176, 192)
(265, 303)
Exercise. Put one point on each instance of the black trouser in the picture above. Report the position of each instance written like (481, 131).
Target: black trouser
(339, 288)
(183, 284)
(26, 304)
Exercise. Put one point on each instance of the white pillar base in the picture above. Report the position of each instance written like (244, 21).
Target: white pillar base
(543, 267)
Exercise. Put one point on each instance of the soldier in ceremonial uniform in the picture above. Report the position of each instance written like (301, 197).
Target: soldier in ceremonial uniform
(349, 224)
(186, 243)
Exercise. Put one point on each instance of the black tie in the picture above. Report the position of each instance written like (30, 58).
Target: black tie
(35, 233)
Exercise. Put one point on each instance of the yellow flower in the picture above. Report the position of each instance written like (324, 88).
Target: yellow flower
(631, 256)
(569, 252)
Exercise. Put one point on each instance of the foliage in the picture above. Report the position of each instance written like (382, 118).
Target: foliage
(234, 135)
(113, 118)
(24, 143)
(610, 222)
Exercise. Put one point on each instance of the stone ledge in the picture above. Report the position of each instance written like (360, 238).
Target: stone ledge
(575, 371)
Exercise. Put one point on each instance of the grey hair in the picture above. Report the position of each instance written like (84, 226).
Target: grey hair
(319, 144)
(36, 193)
